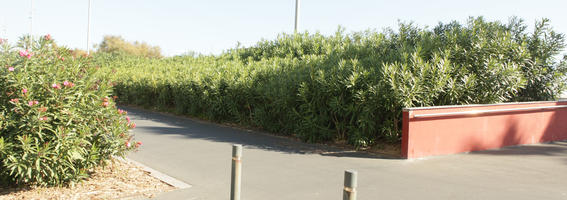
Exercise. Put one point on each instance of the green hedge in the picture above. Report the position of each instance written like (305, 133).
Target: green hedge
(349, 87)
(56, 120)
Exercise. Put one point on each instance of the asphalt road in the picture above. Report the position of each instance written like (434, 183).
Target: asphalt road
(199, 153)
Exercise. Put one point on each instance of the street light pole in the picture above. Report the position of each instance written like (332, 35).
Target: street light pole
(31, 24)
(296, 15)
(4, 28)
(89, 29)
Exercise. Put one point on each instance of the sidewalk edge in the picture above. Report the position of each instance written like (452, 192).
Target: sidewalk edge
(156, 174)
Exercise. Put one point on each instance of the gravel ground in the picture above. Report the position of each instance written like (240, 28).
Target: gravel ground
(118, 180)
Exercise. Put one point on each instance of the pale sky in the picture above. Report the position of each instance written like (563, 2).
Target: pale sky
(211, 26)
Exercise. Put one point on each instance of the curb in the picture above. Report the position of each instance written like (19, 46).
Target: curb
(156, 174)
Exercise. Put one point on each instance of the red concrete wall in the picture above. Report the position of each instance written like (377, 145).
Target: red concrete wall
(439, 135)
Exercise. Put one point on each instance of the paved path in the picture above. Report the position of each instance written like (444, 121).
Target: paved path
(277, 168)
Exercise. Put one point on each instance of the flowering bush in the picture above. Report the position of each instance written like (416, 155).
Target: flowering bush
(350, 87)
(56, 121)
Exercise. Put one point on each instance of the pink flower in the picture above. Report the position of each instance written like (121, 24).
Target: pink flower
(44, 118)
(47, 37)
(128, 119)
(24, 91)
(16, 100)
(104, 104)
(2, 40)
(56, 86)
(68, 84)
(127, 144)
(120, 111)
(138, 144)
(11, 69)
(31, 103)
(26, 54)
(132, 125)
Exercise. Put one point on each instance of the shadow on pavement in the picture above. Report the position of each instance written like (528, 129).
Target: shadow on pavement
(558, 148)
(177, 125)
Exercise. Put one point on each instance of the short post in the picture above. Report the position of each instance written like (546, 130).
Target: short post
(349, 192)
(236, 172)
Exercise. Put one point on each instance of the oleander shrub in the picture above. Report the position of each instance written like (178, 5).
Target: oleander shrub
(57, 120)
(349, 87)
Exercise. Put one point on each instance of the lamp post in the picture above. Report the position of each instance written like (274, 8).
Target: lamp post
(89, 29)
(31, 25)
(296, 15)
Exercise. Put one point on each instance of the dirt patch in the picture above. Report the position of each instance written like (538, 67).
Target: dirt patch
(117, 180)
(381, 149)
(387, 149)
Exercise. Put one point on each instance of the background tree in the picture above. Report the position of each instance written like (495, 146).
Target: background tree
(117, 44)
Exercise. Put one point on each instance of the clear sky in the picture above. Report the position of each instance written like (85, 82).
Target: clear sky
(211, 26)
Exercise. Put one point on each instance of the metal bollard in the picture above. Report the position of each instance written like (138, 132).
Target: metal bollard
(349, 192)
(236, 172)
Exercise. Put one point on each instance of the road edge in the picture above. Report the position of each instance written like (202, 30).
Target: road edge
(157, 174)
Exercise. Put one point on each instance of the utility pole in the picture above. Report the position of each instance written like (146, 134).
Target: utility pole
(89, 29)
(31, 24)
(4, 28)
(296, 15)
